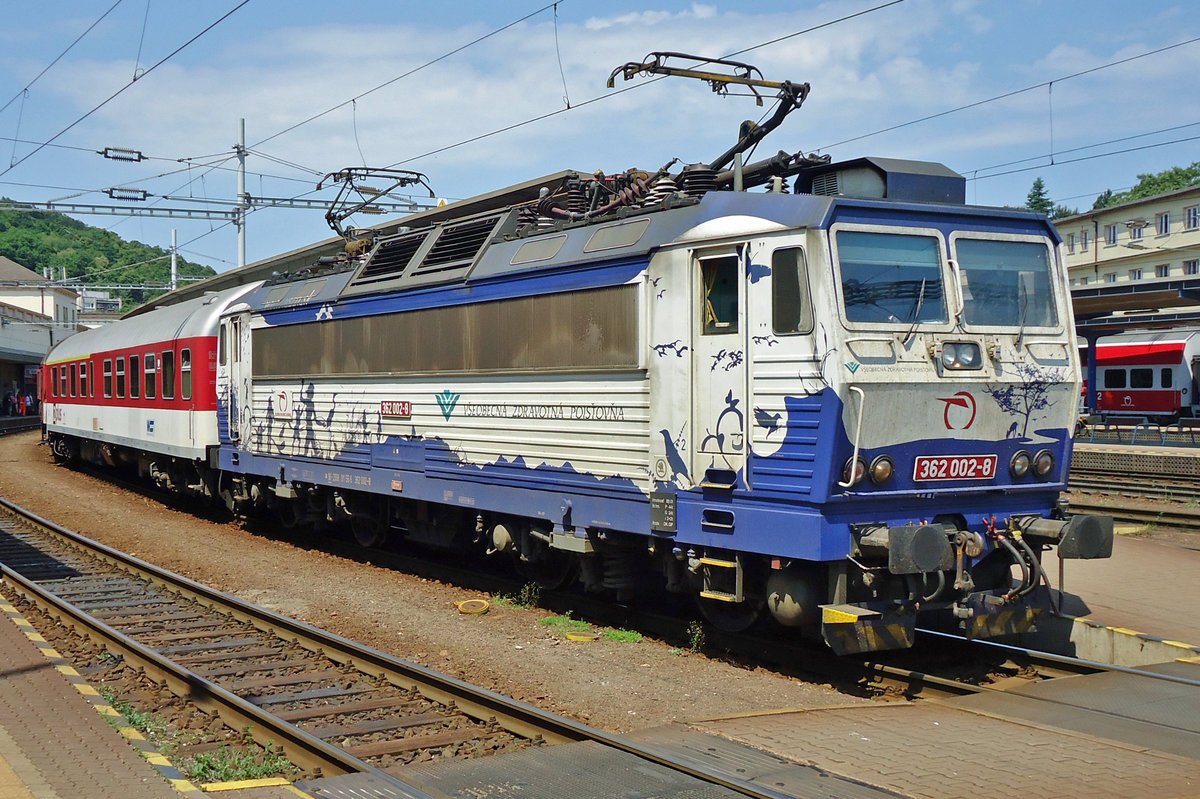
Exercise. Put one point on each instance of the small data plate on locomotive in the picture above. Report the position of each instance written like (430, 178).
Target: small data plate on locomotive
(662, 512)
(954, 467)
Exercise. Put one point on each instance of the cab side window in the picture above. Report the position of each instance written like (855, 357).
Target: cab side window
(791, 309)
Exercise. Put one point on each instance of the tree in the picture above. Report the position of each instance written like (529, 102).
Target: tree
(1150, 184)
(1038, 200)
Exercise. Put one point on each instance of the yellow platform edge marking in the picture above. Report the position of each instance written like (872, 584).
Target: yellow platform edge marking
(238, 785)
(139, 742)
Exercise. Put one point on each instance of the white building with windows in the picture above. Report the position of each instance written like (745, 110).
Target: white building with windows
(35, 314)
(1152, 239)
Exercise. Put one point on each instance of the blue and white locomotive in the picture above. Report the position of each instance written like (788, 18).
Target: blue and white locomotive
(838, 406)
(837, 402)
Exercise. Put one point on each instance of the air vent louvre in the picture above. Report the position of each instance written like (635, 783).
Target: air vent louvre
(391, 257)
(457, 245)
(825, 184)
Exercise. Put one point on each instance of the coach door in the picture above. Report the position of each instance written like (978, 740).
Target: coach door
(719, 365)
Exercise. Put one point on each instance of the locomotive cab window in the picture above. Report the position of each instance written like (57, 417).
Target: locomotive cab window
(221, 345)
(168, 374)
(1006, 283)
(891, 278)
(720, 285)
(151, 386)
(791, 311)
(135, 376)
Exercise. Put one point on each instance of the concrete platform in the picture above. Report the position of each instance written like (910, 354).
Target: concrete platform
(55, 741)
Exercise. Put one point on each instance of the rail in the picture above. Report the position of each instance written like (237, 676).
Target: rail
(303, 747)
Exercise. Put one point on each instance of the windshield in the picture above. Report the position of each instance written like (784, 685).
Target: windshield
(891, 277)
(1006, 283)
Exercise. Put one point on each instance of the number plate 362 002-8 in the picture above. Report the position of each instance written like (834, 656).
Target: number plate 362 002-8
(954, 467)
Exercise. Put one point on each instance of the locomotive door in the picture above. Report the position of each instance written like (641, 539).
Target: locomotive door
(237, 403)
(719, 365)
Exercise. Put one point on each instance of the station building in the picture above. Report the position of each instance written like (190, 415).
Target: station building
(35, 314)
(1147, 241)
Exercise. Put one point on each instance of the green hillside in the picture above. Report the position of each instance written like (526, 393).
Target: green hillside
(39, 240)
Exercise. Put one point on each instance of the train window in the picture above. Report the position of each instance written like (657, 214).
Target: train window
(721, 280)
(108, 369)
(185, 377)
(1114, 378)
(121, 377)
(151, 386)
(62, 381)
(891, 278)
(1006, 283)
(83, 379)
(791, 311)
(74, 380)
(168, 374)
(1141, 378)
(221, 346)
(135, 376)
(1167, 377)
(54, 381)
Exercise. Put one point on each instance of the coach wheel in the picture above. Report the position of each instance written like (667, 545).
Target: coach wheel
(369, 523)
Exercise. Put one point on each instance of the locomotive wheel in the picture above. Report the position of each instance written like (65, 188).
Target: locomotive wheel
(369, 524)
(550, 568)
(731, 617)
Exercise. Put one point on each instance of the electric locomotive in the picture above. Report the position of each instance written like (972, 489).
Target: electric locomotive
(838, 403)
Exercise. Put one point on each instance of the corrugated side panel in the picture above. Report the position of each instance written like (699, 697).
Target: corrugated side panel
(785, 425)
(522, 431)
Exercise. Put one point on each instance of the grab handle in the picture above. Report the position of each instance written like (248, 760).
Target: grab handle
(862, 404)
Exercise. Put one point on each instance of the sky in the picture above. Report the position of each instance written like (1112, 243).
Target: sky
(1085, 94)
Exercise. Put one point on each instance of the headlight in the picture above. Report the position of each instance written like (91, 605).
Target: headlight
(1043, 463)
(882, 469)
(854, 471)
(961, 355)
(1019, 465)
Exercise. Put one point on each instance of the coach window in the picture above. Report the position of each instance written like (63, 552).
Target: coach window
(185, 377)
(168, 374)
(54, 381)
(1114, 378)
(151, 386)
(108, 377)
(74, 380)
(135, 376)
(62, 381)
(121, 378)
(791, 312)
(1141, 378)
(83, 379)
(720, 277)
(1167, 377)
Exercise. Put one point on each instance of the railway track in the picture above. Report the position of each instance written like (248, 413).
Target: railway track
(332, 706)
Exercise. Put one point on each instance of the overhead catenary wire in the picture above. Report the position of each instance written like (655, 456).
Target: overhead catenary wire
(120, 91)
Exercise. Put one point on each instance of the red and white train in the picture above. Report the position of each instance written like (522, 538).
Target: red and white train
(144, 391)
(1151, 375)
